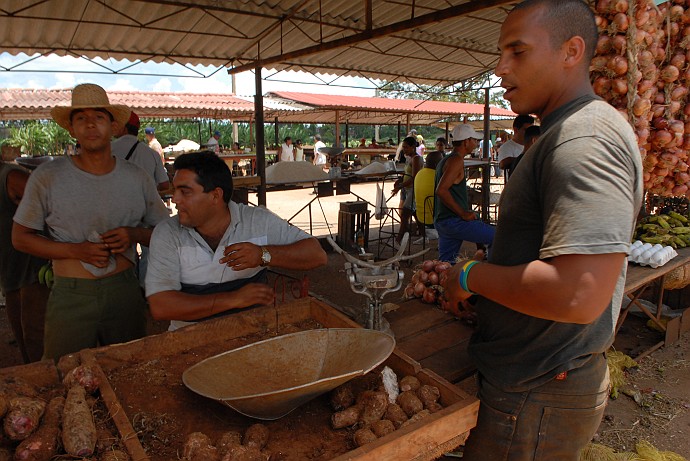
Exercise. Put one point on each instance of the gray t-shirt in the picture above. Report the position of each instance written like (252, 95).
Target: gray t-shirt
(147, 158)
(75, 205)
(576, 191)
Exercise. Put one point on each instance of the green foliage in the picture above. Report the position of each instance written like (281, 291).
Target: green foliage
(36, 138)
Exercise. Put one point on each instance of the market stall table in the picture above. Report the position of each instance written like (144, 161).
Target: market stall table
(638, 279)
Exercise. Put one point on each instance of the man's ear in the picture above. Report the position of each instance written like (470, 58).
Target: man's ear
(574, 51)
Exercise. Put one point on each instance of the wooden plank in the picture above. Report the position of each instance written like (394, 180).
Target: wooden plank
(638, 276)
(438, 337)
(453, 364)
(413, 317)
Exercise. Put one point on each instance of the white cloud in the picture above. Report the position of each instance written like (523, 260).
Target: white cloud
(163, 85)
(122, 84)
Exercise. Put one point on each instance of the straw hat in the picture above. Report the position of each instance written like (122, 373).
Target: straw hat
(89, 96)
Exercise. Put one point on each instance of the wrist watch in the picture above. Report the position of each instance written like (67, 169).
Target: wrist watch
(265, 256)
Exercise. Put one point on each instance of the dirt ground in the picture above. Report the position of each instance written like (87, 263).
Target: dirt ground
(654, 407)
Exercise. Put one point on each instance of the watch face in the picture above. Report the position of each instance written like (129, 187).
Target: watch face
(266, 256)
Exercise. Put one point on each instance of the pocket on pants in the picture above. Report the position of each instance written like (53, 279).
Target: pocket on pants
(563, 432)
(491, 439)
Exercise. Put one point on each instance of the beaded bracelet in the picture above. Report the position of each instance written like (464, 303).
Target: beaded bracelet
(463, 275)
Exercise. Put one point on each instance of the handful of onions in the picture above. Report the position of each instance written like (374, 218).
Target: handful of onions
(425, 281)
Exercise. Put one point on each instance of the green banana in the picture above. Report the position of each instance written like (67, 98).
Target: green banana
(663, 223)
(42, 273)
(678, 216)
(49, 277)
(680, 230)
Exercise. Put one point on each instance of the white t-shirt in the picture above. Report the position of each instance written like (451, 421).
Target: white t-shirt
(320, 159)
(286, 153)
(299, 154)
(510, 149)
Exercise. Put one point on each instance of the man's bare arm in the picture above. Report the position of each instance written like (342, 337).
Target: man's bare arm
(454, 170)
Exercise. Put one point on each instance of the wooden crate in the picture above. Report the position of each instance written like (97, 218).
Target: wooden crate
(143, 383)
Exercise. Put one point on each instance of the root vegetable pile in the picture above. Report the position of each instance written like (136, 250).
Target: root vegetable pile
(372, 414)
(230, 447)
(425, 283)
(641, 68)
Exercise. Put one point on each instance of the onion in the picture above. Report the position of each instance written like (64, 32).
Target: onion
(682, 178)
(678, 93)
(677, 13)
(679, 190)
(429, 295)
(442, 267)
(641, 17)
(645, 58)
(428, 265)
(650, 72)
(603, 6)
(602, 22)
(674, 108)
(619, 6)
(604, 44)
(409, 291)
(433, 278)
(660, 98)
(662, 138)
(644, 85)
(658, 110)
(618, 65)
(602, 86)
(419, 289)
(619, 44)
(619, 86)
(415, 277)
(659, 123)
(598, 63)
(641, 106)
(423, 277)
(669, 73)
(678, 60)
(620, 22)
(676, 127)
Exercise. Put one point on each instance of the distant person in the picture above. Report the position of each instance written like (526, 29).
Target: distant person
(362, 143)
(413, 164)
(421, 148)
(494, 157)
(514, 147)
(399, 157)
(531, 136)
(213, 143)
(127, 147)
(25, 297)
(374, 144)
(287, 150)
(96, 208)
(390, 142)
(236, 148)
(320, 158)
(454, 220)
(424, 194)
(299, 151)
(440, 145)
(150, 133)
(211, 259)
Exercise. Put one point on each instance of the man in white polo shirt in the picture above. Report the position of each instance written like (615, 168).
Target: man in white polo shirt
(211, 258)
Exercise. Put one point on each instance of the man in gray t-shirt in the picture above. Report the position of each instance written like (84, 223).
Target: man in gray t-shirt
(210, 258)
(550, 294)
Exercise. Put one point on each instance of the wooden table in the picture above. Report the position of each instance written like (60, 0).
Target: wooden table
(638, 279)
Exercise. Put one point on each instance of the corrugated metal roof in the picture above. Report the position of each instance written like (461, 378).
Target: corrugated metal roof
(423, 41)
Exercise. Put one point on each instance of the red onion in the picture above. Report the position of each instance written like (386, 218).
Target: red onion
(428, 265)
(419, 289)
(602, 22)
(662, 138)
(409, 291)
(603, 6)
(423, 277)
(678, 93)
(620, 22)
(602, 86)
(442, 267)
(604, 44)
(429, 296)
(433, 278)
(669, 73)
(415, 277)
(679, 190)
(678, 60)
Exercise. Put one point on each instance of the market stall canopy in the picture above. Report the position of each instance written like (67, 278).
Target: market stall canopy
(322, 108)
(417, 41)
(25, 104)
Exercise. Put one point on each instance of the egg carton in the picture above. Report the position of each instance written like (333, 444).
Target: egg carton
(647, 254)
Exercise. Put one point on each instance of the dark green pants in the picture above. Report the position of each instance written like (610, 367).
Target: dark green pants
(84, 313)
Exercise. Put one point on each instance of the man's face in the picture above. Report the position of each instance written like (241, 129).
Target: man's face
(194, 206)
(440, 146)
(93, 129)
(529, 66)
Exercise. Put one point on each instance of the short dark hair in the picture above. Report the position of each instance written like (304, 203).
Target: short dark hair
(565, 19)
(411, 141)
(522, 120)
(317, 137)
(211, 171)
(287, 138)
(532, 132)
(131, 129)
(432, 159)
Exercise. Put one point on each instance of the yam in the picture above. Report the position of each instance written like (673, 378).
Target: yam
(115, 455)
(78, 429)
(395, 414)
(228, 440)
(67, 363)
(16, 387)
(364, 436)
(342, 397)
(347, 417)
(256, 435)
(374, 406)
(83, 376)
(434, 407)
(4, 405)
(421, 415)
(245, 453)
(409, 383)
(428, 395)
(382, 427)
(5, 454)
(410, 403)
(198, 447)
(23, 416)
(43, 444)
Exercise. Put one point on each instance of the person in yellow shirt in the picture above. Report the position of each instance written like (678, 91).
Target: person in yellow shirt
(424, 194)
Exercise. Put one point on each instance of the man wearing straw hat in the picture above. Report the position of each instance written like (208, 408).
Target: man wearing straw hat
(95, 208)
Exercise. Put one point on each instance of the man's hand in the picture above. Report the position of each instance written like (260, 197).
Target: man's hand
(469, 216)
(96, 254)
(240, 256)
(450, 281)
(253, 293)
(118, 240)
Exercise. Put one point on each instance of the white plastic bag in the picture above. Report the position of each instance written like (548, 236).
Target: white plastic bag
(381, 209)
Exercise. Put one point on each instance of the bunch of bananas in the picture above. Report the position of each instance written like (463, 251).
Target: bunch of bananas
(45, 275)
(672, 229)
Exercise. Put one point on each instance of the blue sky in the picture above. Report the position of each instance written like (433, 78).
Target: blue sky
(40, 73)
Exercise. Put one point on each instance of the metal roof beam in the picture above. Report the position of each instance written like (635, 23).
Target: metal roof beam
(436, 16)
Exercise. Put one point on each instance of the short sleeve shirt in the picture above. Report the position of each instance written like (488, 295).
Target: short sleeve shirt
(143, 155)
(578, 191)
(509, 149)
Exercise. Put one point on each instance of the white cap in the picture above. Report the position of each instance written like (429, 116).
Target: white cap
(464, 131)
